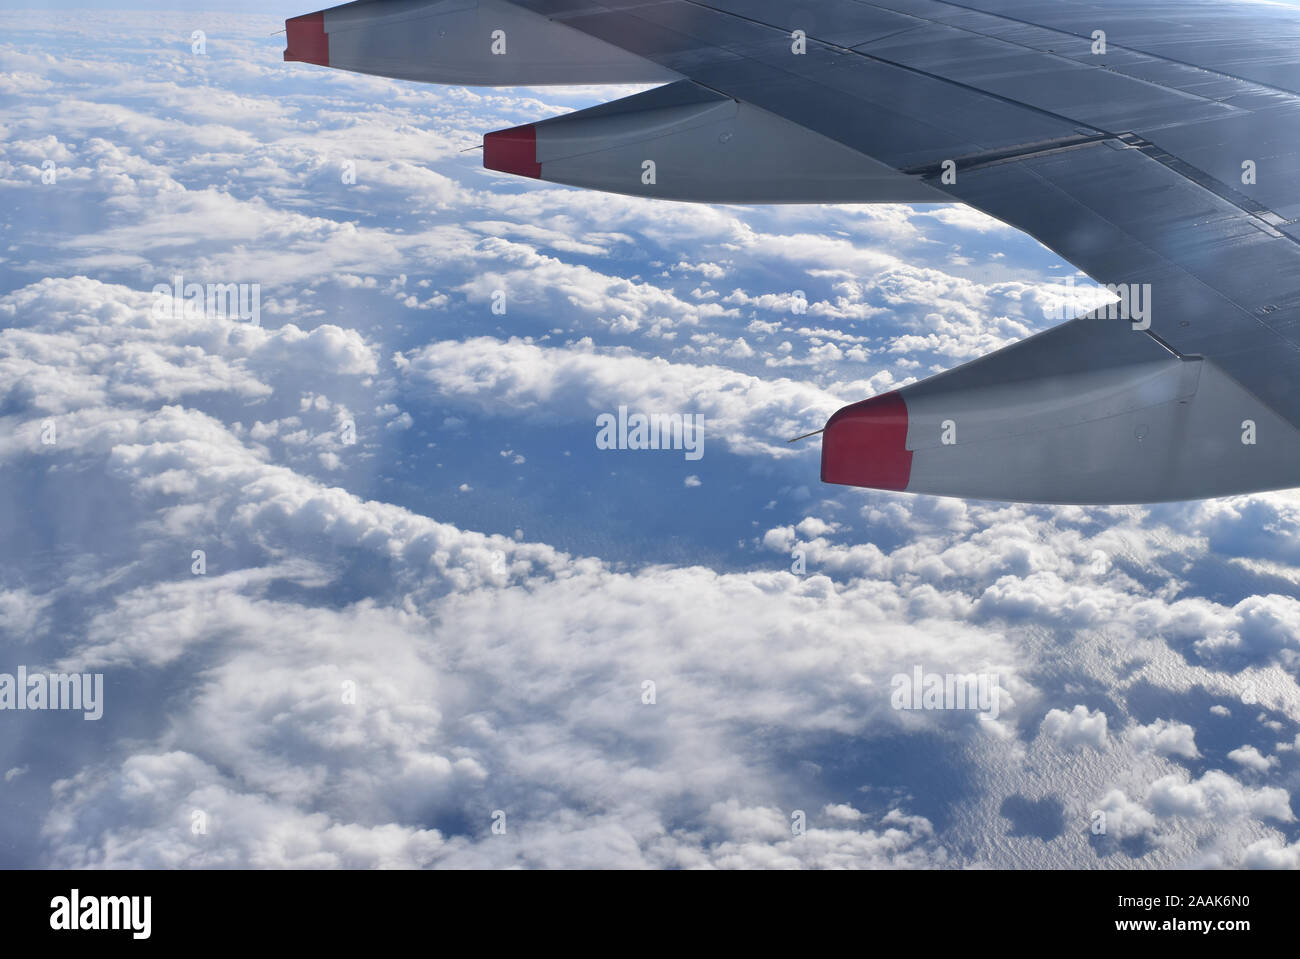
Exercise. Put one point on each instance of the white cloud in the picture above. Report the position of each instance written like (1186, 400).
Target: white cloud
(747, 414)
(1078, 727)
(1166, 737)
(1272, 853)
(1124, 818)
(1216, 796)
(1252, 758)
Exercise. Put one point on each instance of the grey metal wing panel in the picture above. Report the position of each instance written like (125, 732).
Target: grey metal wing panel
(1052, 82)
(1252, 40)
(1214, 121)
(937, 79)
(1220, 281)
(891, 113)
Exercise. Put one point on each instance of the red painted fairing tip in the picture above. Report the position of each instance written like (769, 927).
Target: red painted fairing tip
(308, 41)
(866, 444)
(513, 151)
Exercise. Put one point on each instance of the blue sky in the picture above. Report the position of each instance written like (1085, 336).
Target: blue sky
(494, 587)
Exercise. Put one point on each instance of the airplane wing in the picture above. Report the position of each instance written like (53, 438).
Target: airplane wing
(1155, 144)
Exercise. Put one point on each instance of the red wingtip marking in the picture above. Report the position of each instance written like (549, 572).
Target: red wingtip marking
(513, 151)
(866, 444)
(308, 41)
